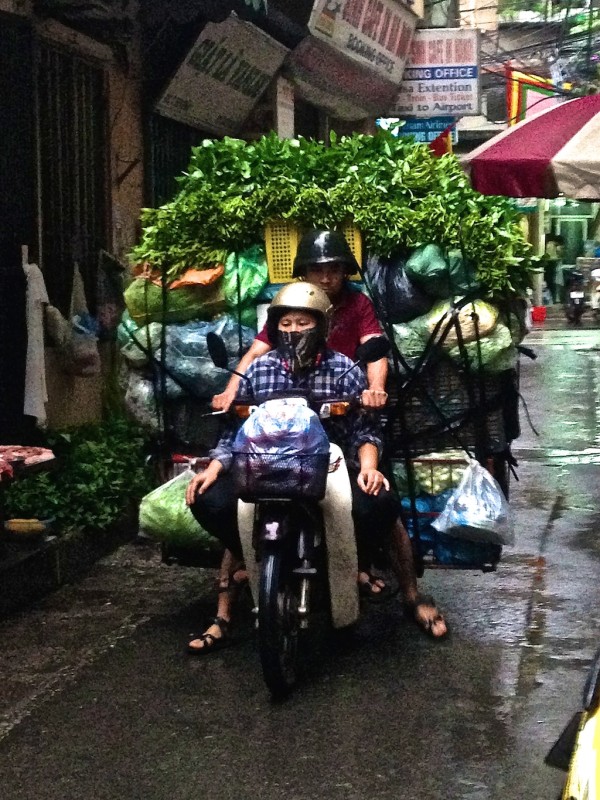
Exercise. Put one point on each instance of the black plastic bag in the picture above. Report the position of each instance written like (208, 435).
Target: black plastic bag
(396, 298)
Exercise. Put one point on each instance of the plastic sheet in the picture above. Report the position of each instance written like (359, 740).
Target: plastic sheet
(477, 510)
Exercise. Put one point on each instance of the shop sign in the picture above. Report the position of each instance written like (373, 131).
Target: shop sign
(422, 130)
(329, 80)
(222, 77)
(441, 75)
(375, 33)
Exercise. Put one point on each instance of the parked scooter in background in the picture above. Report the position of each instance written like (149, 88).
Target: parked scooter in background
(595, 292)
(575, 296)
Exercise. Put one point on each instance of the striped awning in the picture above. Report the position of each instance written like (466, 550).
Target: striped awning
(554, 152)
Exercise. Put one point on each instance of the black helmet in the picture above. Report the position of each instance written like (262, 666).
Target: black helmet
(323, 247)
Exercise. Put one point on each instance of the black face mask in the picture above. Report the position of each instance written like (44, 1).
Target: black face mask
(300, 349)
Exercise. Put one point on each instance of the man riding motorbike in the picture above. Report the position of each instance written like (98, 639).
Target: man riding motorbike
(325, 259)
(297, 323)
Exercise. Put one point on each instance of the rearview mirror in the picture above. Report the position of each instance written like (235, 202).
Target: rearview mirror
(372, 350)
(217, 350)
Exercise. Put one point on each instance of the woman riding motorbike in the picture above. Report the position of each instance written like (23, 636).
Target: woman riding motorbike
(297, 323)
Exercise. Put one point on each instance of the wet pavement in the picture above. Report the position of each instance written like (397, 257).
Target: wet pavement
(99, 700)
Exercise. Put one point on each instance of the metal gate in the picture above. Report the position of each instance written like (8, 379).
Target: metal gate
(72, 214)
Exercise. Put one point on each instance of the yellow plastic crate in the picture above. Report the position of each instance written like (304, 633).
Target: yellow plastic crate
(281, 242)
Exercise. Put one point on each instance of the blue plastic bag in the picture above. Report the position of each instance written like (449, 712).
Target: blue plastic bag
(285, 426)
(281, 450)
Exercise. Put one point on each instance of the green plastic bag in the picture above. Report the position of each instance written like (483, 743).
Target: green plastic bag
(164, 516)
(125, 326)
(428, 269)
(411, 337)
(462, 278)
(253, 274)
(145, 302)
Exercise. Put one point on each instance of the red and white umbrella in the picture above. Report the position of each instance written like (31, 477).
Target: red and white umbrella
(554, 152)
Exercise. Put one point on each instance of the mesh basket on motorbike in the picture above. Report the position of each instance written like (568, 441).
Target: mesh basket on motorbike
(276, 475)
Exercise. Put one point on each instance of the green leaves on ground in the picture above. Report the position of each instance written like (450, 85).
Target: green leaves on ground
(101, 470)
(397, 192)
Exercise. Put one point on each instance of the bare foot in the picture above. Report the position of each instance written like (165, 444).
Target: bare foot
(427, 616)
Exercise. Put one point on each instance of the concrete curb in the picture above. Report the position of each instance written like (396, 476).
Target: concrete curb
(29, 572)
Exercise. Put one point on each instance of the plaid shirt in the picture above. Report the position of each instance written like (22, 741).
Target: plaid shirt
(269, 374)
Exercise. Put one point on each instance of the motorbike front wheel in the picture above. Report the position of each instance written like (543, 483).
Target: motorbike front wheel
(278, 623)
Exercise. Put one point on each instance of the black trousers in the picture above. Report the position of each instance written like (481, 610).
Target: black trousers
(373, 515)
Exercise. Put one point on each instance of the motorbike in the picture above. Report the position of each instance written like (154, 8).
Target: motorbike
(575, 297)
(595, 292)
(296, 530)
(577, 749)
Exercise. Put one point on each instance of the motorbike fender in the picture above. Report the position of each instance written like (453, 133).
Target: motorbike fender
(342, 562)
(245, 515)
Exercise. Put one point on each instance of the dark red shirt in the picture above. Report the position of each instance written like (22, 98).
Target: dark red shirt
(352, 319)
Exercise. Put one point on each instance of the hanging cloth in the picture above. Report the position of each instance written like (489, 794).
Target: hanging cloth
(36, 395)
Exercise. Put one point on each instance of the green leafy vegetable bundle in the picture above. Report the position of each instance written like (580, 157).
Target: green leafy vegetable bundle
(396, 191)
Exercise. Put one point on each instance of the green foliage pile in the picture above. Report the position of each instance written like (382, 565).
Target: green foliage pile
(396, 191)
(100, 471)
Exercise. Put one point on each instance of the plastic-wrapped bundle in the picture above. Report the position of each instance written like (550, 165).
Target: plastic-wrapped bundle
(444, 549)
(250, 266)
(281, 450)
(411, 337)
(428, 269)
(190, 368)
(146, 302)
(187, 356)
(496, 352)
(487, 316)
(396, 298)
(138, 343)
(440, 274)
(477, 510)
(165, 516)
(140, 401)
(433, 473)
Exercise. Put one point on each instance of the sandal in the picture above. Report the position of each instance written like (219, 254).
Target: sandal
(212, 643)
(367, 588)
(426, 625)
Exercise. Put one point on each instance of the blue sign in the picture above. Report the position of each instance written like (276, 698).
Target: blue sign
(423, 129)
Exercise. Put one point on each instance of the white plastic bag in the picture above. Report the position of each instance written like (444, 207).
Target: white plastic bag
(477, 509)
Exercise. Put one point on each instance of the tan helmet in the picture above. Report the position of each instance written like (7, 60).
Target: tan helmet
(300, 296)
